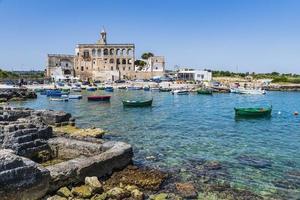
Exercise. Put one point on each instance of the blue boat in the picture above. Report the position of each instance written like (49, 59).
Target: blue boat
(53, 93)
(109, 89)
(91, 89)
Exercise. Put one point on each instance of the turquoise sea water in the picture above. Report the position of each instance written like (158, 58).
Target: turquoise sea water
(262, 155)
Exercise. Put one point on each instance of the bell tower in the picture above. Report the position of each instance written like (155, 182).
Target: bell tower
(103, 37)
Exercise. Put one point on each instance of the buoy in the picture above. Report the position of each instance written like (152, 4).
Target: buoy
(279, 113)
(296, 113)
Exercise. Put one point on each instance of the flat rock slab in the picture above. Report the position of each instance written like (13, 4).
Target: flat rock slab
(21, 178)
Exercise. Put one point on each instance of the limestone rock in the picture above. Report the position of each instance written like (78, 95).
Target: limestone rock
(137, 195)
(64, 192)
(186, 190)
(99, 197)
(161, 196)
(83, 191)
(21, 178)
(94, 183)
(56, 197)
(117, 193)
(130, 188)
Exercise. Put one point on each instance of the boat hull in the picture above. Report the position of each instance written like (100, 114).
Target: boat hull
(253, 112)
(137, 103)
(206, 92)
(98, 98)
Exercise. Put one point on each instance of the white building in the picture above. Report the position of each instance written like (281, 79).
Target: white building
(194, 75)
(154, 64)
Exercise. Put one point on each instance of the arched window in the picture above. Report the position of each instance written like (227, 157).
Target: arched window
(82, 68)
(111, 60)
(112, 68)
(94, 52)
(123, 52)
(105, 52)
(118, 61)
(124, 61)
(118, 52)
(129, 52)
(99, 52)
(111, 51)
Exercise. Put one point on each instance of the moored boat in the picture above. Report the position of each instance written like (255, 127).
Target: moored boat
(165, 89)
(146, 88)
(76, 89)
(91, 89)
(131, 103)
(98, 98)
(109, 89)
(59, 99)
(205, 91)
(134, 88)
(253, 112)
(73, 96)
(154, 89)
(180, 92)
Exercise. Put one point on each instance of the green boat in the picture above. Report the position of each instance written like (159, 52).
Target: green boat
(204, 91)
(253, 112)
(165, 89)
(129, 103)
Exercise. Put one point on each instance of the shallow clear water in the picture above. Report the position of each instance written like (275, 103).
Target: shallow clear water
(178, 129)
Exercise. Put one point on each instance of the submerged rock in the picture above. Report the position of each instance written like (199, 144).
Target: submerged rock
(72, 131)
(148, 179)
(186, 190)
(253, 161)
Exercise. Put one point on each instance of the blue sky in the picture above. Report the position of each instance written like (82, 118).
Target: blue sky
(243, 35)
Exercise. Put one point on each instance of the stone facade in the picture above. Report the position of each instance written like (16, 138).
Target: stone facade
(103, 61)
(60, 66)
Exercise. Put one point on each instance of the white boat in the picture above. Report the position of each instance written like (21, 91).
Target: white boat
(59, 99)
(252, 91)
(155, 89)
(76, 89)
(72, 96)
(247, 91)
(180, 92)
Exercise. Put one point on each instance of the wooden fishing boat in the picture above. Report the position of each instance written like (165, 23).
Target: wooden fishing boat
(76, 89)
(205, 91)
(59, 99)
(130, 103)
(98, 98)
(154, 89)
(165, 89)
(109, 89)
(180, 92)
(134, 88)
(91, 89)
(253, 112)
(146, 88)
(73, 96)
(122, 87)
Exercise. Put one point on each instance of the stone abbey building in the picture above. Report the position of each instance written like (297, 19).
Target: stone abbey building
(101, 61)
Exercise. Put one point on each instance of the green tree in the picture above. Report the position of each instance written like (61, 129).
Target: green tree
(145, 56)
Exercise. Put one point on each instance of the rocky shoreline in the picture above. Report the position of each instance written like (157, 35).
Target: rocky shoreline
(44, 156)
(16, 94)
